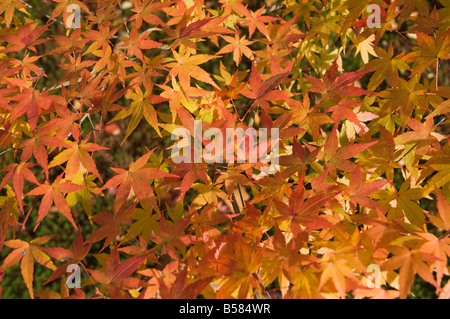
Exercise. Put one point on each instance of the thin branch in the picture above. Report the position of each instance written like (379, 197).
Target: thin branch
(97, 291)
(9, 149)
(240, 194)
(41, 13)
(236, 209)
(417, 143)
(437, 74)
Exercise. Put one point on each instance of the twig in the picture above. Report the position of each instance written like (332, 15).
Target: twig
(235, 205)
(240, 194)
(41, 13)
(100, 152)
(437, 74)
(9, 149)
(417, 143)
(97, 291)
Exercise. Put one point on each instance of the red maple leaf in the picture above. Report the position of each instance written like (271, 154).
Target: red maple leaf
(138, 178)
(336, 87)
(54, 193)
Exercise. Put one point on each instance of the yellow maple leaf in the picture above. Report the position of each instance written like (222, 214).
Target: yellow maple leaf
(365, 48)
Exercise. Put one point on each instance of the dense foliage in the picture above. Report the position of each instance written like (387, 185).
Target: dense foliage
(91, 92)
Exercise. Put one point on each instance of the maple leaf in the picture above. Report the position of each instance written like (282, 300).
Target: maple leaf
(366, 47)
(173, 236)
(62, 8)
(28, 66)
(8, 7)
(36, 146)
(74, 68)
(136, 43)
(186, 66)
(238, 46)
(229, 231)
(6, 72)
(229, 6)
(178, 12)
(405, 97)
(299, 158)
(339, 157)
(176, 98)
(310, 117)
(31, 102)
(231, 177)
(64, 126)
(104, 103)
(304, 212)
(335, 87)
(137, 178)
(440, 248)
(429, 51)
(439, 164)
(342, 109)
(79, 251)
(410, 262)
(262, 92)
(116, 275)
(443, 220)
(140, 107)
(76, 154)
(145, 222)
(88, 88)
(26, 38)
(146, 72)
(85, 193)
(422, 132)
(339, 266)
(255, 20)
(8, 214)
(405, 203)
(444, 209)
(380, 229)
(199, 29)
(68, 45)
(140, 250)
(208, 194)
(182, 287)
(28, 253)
(281, 254)
(17, 173)
(239, 273)
(111, 225)
(385, 67)
(358, 190)
(106, 59)
(273, 187)
(54, 194)
(3, 101)
(382, 156)
(284, 33)
(100, 38)
(189, 173)
(145, 9)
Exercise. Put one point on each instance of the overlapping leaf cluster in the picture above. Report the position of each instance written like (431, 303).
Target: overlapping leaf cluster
(361, 114)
